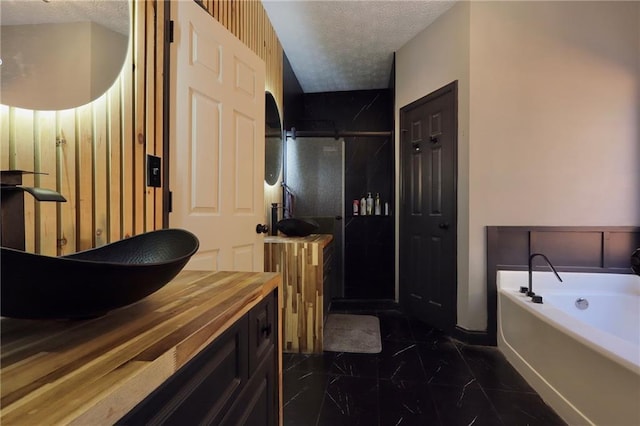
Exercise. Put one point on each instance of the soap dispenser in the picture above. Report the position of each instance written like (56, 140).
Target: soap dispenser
(369, 204)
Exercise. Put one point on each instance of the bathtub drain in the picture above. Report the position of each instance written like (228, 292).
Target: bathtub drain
(582, 303)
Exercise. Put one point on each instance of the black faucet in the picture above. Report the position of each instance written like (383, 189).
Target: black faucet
(530, 293)
(12, 203)
(274, 218)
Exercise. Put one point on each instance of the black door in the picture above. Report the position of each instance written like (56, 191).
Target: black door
(428, 207)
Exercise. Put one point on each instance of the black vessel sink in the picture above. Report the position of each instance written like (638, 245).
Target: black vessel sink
(91, 283)
(294, 227)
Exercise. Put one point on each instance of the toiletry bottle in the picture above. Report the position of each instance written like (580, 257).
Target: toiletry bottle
(378, 208)
(386, 209)
(363, 206)
(369, 204)
(356, 207)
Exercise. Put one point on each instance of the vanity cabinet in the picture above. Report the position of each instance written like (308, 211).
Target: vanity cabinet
(204, 349)
(231, 381)
(305, 265)
(328, 277)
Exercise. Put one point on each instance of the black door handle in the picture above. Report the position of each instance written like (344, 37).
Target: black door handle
(262, 229)
(443, 225)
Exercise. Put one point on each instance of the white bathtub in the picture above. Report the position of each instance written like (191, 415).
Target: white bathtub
(583, 363)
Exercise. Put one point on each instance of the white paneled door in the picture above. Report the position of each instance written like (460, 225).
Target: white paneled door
(216, 142)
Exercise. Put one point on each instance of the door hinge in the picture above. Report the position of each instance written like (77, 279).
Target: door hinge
(170, 202)
(169, 31)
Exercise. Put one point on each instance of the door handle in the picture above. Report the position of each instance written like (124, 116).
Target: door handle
(261, 229)
(443, 225)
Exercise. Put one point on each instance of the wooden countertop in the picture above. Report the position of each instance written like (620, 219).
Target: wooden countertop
(322, 239)
(95, 371)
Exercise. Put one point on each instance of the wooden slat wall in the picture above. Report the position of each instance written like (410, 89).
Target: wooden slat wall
(95, 154)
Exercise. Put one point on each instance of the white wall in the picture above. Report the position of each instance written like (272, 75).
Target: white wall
(553, 120)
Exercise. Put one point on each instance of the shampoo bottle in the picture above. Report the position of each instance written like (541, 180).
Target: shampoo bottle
(378, 208)
(363, 206)
(369, 204)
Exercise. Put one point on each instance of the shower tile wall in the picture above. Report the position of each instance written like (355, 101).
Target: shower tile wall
(368, 167)
(369, 240)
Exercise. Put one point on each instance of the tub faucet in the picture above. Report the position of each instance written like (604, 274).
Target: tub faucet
(530, 293)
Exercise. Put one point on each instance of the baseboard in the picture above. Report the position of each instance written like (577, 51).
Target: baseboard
(363, 304)
(472, 337)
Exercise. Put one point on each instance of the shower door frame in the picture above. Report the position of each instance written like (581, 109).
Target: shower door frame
(293, 134)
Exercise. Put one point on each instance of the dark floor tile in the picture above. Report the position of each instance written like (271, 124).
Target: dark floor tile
(522, 409)
(303, 394)
(400, 361)
(421, 377)
(350, 401)
(492, 370)
(406, 403)
(464, 405)
(355, 365)
(424, 333)
(443, 364)
(394, 326)
(318, 363)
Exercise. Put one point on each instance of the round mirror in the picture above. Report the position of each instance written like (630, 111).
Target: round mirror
(60, 54)
(273, 141)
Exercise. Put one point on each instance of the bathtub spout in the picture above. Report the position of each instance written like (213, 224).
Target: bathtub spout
(530, 293)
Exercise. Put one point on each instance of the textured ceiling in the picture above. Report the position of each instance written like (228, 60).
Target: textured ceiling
(113, 14)
(347, 44)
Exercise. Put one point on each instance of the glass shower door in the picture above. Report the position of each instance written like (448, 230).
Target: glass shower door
(314, 174)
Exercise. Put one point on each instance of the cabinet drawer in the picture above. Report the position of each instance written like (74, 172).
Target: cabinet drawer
(263, 330)
(204, 389)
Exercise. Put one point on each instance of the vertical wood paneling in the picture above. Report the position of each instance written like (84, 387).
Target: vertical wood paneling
(150, 115)
(158, 103)
(95, 154)
(84, 177)
(66, 154)
(127, 141)
(4, 137)
(139, 118)
(45, 161)
(100, 162)
(21, 142)
(114, 159)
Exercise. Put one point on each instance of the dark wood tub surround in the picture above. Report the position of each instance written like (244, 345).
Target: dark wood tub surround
(597, 249)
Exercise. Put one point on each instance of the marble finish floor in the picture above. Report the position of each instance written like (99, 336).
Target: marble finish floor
(422, 377)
